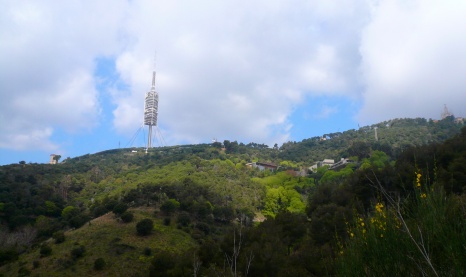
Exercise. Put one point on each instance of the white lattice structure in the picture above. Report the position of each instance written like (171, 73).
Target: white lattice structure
(151, 109)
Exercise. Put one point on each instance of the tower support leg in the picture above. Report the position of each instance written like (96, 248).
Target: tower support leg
(149, 138)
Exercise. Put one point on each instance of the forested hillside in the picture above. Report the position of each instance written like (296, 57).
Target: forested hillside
(202, 210)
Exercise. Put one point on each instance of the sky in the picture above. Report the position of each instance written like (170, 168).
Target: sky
(73, 74)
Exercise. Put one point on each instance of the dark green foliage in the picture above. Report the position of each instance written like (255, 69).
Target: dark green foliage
(166, 263)
(79, 220)
(59, 236)
(162, 263)
(45, 250)
(147, 251)
(166, 221)
(78, 251)
(110, 204)
(183, 219)
(430, 215)
(99, 210)
(170, 206)
(127, 217)
(359, 149)
(36, 264)
(69, 212)
(120, 208)
(99, 264)
(8, 255)
(217, 144)
(46, 226)
(119, 248)
(223, 214)
(397, 134)
(144, 227)
(204, 227)
(23, 271)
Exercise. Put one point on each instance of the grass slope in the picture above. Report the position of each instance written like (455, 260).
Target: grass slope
(105, 237)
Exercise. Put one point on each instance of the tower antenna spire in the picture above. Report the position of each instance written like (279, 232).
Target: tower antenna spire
(445, 112)
(153, 72)
(153, 81)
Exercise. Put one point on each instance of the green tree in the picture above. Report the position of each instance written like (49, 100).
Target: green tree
(99, 264)
(69, 212)
(170, 206)
(127, 217)
(45, 250)
(120, 208)
(59, 236)
(144, 227)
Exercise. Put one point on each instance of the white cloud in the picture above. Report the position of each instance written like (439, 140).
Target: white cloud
(48, 51)
(326, 111)
(414, 59)
(235, 70)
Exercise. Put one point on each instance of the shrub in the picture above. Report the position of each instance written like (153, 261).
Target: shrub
(99, 211)
(8, 255)
(147, 251)
(183, 219)
(120, 208)
(78, 251)
(203, 227)
(127, 217)
(381, 241)
(24, 271)
(144, 227)
(170, 206)
(99, 264)
(110, 204)
(166, 221)
(36, 264)
(69, 212)
(78, 220)
(45, 250)
(59, 237)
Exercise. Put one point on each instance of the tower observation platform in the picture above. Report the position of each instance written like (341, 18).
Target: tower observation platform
(151, 109)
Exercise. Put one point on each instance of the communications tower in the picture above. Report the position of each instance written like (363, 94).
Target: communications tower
(151, 109)
(446, 113)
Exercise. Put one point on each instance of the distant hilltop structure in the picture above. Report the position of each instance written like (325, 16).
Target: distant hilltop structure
(151, 110)
(446, 113)
(54, 158)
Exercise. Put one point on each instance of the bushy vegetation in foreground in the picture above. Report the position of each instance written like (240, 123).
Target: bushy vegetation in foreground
(422, 235)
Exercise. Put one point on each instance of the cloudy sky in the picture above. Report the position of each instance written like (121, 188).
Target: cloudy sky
(73, 74)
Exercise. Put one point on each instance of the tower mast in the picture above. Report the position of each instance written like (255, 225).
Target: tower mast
(151, 108)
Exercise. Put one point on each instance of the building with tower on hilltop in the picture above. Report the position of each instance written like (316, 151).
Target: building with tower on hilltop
(54, 158)
(446, 113)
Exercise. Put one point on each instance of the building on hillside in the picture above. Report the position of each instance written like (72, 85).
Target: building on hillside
(263, 166)
(52, 159)
(328, 162)
(341, 164)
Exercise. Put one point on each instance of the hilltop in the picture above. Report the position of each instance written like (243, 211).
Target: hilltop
(79, 217)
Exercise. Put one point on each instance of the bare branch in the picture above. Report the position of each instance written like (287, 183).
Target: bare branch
(397, 205)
